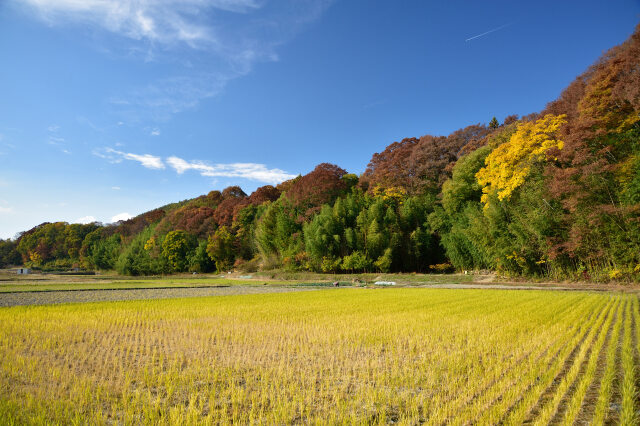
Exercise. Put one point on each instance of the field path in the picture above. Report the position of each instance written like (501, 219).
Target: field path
(496, 287)
(73, 296)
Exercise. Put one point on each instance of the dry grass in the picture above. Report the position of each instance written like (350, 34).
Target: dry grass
(348, 356)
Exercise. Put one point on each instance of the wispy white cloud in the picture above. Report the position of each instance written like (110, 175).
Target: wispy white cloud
(121, 216)
(5, 145)
(167, 21)
(162, 98)
(114, 156)
(253, 171)
(155, 132)
(4, 207)
(85, 219)
(54, 140)
(214, 41)
(85, 121)
(115, 188)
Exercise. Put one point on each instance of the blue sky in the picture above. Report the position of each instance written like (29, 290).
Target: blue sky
(112, 108)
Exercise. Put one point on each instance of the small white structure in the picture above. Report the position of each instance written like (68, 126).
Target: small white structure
(385, 283)
(23, 271)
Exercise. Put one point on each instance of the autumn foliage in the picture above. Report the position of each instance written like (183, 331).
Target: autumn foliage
(421, 165)
(509, 165)
(322, 185)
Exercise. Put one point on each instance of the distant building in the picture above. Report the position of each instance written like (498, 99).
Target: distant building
(23, 271)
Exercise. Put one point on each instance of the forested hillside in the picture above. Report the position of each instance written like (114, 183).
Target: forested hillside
(554, 194)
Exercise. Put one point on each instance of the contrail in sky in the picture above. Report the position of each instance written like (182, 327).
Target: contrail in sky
(490, 31)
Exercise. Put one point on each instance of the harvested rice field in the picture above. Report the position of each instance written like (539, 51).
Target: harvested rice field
(103, 295)
(354, 356)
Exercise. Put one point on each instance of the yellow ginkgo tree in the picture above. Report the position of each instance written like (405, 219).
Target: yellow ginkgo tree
(508, 166)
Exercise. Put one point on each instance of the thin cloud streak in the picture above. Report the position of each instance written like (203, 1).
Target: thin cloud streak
(146, 160)
(252, 171)
(489, 32)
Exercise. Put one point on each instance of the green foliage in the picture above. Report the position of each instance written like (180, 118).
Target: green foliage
(385, 261)
(245, 230)
(9, 254)
(105, 252)
(350, 180)
(356, 262)
(463, 186)
(136, 260)
(521, 229)
(279, 230)
(200, 261)
(49, 242)
(460, 221)
(510, 234)
(177, 248)
(333, 232)
(380, 233)
(220, 248)
(329, 264)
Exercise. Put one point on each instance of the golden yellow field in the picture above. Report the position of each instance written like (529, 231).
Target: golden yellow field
(357, 356)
